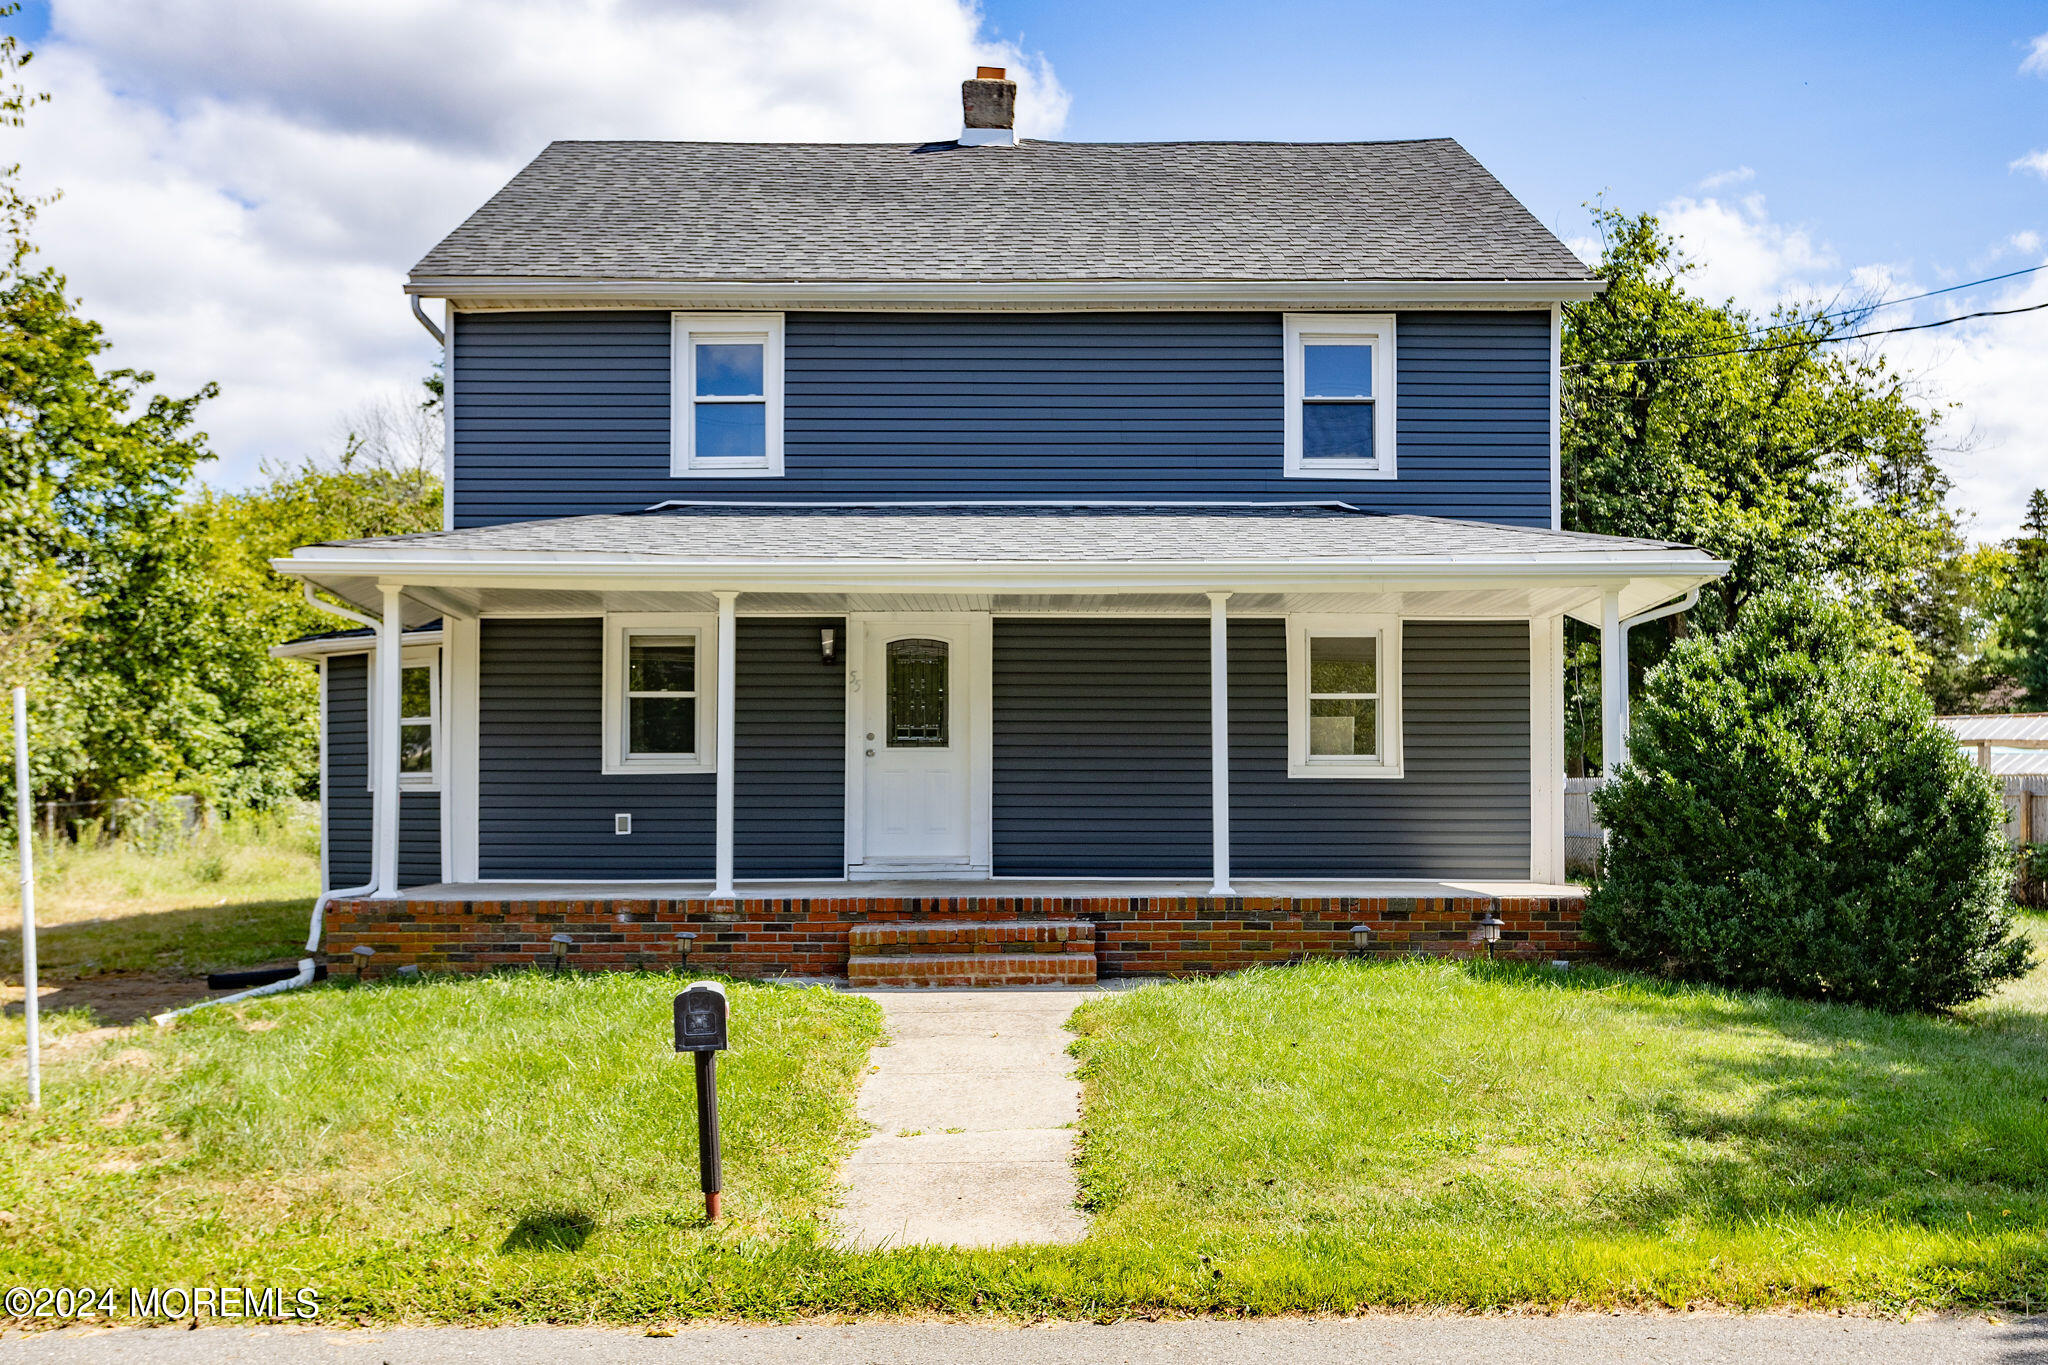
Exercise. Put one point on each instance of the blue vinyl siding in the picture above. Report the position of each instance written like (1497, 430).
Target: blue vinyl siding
(566, 413)
(1101, 748)
(348, 794)
(546, 807)
(1102, 756)
(1461, 807)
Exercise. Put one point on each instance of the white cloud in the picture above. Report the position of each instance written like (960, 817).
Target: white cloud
(2036, 60)
(2035, 161)
(1984, 375)
(245, 183)
(1738, 251)
(1741, 175)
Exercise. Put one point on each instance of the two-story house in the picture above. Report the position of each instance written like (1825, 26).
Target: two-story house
(1162, 537)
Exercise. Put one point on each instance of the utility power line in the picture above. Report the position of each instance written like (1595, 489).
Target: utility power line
(1817, 341)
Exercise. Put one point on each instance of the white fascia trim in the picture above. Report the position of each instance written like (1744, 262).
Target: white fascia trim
(355, 644)
(541, 568)
(486, 293)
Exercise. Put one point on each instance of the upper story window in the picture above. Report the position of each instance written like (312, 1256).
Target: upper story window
(727, 418)
(1343, 696)
(1340, 395)
(658, 674)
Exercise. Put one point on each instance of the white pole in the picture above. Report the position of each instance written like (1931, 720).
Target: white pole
(24, 820)
(384, 755)
(1613, 685)
(1219, 745)
(727, 702)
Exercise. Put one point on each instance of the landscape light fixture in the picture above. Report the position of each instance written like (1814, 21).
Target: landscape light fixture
(828, 644)
(1487, 930)
(685, 942)
(1361, 940)
(362, 953)
(561, 942)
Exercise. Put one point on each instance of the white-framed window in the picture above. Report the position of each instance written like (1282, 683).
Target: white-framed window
(1343, 696)
(660, 681)
(421, 759)
(1339, 395)
(727, 387)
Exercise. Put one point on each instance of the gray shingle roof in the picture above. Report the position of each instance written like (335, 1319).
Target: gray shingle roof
(1039, 211)
(1014, 533)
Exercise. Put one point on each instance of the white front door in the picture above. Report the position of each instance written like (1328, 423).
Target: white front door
(916, 711)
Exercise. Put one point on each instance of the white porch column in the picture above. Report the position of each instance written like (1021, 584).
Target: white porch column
(1613, 685)
(727, 700)
(384, 753)
(1219, 744)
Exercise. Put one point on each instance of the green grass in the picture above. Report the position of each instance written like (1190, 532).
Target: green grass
(236, 891)
(448, 1147)
(1324, 1137)
(1428, 1132)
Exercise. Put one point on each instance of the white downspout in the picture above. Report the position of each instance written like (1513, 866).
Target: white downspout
(309, 964)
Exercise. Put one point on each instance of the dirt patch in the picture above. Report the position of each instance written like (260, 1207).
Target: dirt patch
(114, 999)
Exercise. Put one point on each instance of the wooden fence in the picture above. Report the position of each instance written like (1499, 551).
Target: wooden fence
(2026, 817)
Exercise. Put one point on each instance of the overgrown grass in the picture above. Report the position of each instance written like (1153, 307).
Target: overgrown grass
(1323, 1137)
(235, 891)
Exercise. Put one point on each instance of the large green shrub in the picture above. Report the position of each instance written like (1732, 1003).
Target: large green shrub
(1791, 818)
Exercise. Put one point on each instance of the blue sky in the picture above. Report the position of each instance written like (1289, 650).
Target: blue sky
(1888, 128)
(246, 181)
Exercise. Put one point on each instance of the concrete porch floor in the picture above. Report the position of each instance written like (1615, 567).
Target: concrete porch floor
(987, 887)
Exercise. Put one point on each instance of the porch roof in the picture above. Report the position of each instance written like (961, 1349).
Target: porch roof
(1009, 547)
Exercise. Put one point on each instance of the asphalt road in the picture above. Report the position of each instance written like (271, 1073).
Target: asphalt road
(1693, 1339)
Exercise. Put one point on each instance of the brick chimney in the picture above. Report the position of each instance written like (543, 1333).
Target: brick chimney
(988, 107)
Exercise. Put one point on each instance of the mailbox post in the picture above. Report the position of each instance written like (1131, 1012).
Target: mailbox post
(700, 1029)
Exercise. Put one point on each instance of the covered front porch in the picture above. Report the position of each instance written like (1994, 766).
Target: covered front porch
(1303, 710)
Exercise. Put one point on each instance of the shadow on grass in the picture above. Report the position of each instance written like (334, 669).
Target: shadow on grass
(549, 1230)
(195, 939)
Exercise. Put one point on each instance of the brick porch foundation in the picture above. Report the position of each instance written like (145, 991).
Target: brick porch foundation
(748, 937)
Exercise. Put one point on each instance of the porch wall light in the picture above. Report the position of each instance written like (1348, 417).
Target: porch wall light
(828, 644)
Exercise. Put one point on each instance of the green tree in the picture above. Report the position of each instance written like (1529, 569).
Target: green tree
(1751, 437)
(2021, 648)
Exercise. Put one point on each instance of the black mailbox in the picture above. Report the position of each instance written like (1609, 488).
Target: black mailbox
(700, 1018)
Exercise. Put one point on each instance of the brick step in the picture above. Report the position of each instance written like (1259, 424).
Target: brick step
(973, 936)
(973, 969)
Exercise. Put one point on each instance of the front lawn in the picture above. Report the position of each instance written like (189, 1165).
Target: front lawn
(1430, 1132)
(1323, 1137)
(507, 1144)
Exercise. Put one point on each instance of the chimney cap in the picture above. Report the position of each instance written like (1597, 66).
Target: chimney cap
(989, 73)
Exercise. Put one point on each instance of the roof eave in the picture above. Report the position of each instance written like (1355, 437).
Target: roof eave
(488, 292)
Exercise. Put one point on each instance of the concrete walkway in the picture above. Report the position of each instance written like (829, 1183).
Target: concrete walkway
(1692, 1339)
(973, 1103)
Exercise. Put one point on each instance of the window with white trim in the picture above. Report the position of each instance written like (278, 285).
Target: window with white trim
(660, 672)
(727, 387)
(1343, 696)
(1339, 387)
(419, 718)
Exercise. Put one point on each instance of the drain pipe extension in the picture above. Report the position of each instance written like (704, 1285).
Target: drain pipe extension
(308, 964)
